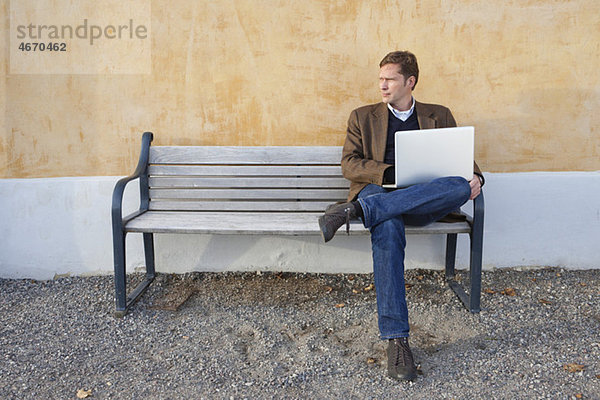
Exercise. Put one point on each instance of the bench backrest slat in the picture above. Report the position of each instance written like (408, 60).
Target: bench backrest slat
(317, 155)
(239, 205)
(248, 194)
(181, 182)
(244, 170)
(266, 178)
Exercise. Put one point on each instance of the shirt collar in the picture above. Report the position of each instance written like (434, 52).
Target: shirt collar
(402, 115)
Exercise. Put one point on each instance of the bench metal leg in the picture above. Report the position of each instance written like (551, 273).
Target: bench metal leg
(450, 255)
(477, 252)
(471, 300)
(149, 254)
(120, 275)
(475, 274)
(123, 301)
(476, 259)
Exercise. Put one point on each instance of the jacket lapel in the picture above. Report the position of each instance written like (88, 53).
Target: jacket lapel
(424, 116)
(380, 127)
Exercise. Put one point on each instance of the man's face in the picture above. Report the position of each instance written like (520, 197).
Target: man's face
(395, 90)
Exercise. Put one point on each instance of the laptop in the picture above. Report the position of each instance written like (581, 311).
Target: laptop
(423, 155)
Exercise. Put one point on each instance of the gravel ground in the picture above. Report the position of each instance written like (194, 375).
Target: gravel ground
(283, 335)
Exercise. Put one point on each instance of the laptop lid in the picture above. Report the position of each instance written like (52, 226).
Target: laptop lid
(423, 155)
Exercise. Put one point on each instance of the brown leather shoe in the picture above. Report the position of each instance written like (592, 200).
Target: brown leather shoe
(401, 364)
(335, 216)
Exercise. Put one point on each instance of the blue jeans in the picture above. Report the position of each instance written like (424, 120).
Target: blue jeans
(386, 212)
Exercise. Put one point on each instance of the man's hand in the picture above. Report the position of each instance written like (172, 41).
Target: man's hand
(475, 184)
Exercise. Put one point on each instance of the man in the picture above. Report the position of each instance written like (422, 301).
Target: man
(368, 162)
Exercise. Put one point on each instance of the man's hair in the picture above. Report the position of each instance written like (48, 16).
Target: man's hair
(407, 62)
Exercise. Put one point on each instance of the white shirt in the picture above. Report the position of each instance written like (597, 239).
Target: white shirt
(403, 115)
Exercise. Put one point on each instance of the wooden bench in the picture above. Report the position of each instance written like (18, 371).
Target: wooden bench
(275, 190)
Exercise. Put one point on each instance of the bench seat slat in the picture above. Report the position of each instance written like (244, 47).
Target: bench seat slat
(256, 223)
(244, 182)
(197, 155)
(282, 206)
(245, 170)
(265, 194)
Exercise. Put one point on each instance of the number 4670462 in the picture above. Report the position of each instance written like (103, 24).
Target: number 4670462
(43, 46)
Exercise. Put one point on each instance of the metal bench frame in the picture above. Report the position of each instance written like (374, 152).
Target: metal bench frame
(189, 200)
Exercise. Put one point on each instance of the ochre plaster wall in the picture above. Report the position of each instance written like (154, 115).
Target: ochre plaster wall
(275, 72)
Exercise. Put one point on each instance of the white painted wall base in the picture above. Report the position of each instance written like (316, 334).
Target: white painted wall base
(61, 226)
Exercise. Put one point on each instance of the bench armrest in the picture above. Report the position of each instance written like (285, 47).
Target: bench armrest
(139, 173)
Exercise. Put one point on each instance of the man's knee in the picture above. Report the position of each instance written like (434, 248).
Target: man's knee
(457, 185)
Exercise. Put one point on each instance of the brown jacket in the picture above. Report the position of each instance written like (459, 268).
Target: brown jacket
(364, 149)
